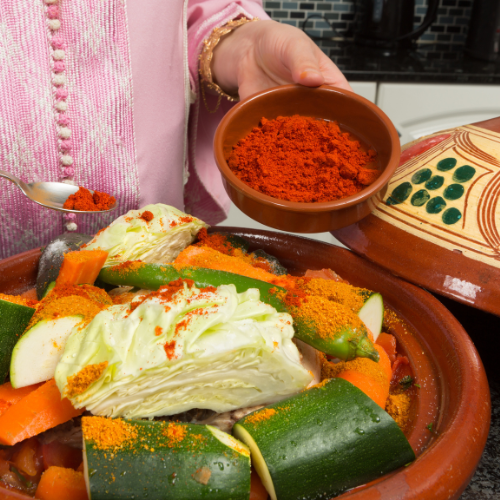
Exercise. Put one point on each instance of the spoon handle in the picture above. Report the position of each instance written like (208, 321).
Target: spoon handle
(11, 178)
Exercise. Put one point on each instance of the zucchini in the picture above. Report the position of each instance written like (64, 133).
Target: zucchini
(372, 314)
(192, 462)
(40, 349)
(345, 344)
(322, 442)
(13, 320)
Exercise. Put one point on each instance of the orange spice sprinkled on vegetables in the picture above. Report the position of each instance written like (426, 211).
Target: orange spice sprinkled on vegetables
(362, 365)
(108, 434)
(327, 316)
(158, 330)
(175, 434)
(343, 293)
(127, 267)
(398, 407)
(17, 299)
(261, 415)
(81, 381)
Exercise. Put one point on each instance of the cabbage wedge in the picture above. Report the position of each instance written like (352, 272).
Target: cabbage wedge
(154, 240)
(166, 353)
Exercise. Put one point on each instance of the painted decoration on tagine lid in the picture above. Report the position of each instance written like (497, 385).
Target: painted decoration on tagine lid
(438, 225)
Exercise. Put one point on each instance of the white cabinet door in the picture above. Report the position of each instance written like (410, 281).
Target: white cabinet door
(368, 90)
(418, 109)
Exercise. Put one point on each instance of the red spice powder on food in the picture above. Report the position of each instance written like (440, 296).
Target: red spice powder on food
(181, 220)
(170, 349)
(147, 216)
(85, 201)
(261, 415)
(302, 159)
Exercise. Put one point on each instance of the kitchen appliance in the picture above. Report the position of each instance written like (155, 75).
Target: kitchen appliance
(483, 39)
(389, 23)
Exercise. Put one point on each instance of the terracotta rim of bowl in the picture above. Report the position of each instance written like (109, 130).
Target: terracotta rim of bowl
(294, 206)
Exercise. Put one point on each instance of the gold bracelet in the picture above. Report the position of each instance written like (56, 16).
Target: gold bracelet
(206, 56)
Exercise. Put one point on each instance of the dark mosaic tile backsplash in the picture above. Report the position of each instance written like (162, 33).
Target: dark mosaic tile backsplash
(335, 18)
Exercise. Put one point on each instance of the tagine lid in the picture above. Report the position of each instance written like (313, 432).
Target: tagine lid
(438, 225)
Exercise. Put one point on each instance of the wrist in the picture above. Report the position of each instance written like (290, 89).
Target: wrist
(210, 76)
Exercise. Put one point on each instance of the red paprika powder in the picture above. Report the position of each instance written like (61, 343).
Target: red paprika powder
(85, 201)
(302, 159)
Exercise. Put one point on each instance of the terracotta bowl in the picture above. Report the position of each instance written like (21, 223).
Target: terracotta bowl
(354, 113)
(453, 394)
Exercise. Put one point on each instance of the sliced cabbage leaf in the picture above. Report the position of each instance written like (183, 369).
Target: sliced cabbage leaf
(158, 240)
(199, 348)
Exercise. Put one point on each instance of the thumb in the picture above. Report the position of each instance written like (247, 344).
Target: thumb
(300, 57)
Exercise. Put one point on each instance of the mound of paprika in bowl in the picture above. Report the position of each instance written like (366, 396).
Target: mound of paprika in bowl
(304, 159)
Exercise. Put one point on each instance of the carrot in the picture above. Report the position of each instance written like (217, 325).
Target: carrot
(370, 387)
(213, 259)
(58, 483)
(81, 267)
(40, 410)
(384, 361)
(257, 490)
(10, 396)
(388, 342)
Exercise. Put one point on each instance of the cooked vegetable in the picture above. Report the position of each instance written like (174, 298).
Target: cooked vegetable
(388, 342)
(372, 314)
(59, 454)
(182, 348)
(156, 233)
(41, 348)
(132, 459)
(58, 483)
(13, 320)
(81, 267)
(39, 411)
(10, 396)
(345, 343)
(52, 258)
(322, 442)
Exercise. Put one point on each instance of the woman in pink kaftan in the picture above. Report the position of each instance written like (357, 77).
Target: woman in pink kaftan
(105, 94)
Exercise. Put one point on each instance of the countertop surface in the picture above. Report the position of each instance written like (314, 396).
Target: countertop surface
(424, 63)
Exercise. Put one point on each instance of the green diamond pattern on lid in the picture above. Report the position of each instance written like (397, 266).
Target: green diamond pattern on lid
(464, 173)
(420, 198)
(453, 192)
(435, 182)
(421, 175)
(435, 205)
(400, 193)
(446, 164)
(451, 215)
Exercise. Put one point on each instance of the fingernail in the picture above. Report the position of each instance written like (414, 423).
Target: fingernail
(309, 72)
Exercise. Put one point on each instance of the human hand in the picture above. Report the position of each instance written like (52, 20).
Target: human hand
(264, 54)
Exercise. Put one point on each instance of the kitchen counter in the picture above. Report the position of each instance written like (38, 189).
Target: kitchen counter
(425, 63)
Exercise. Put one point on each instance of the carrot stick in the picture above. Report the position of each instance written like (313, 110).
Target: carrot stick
(388, 342)
(370, 387)
(81, 267)
(58, 483)
(10, 396)
(40, 410)
(384, 361)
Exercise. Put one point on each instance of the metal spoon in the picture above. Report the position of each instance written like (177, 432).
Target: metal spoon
(49, 194)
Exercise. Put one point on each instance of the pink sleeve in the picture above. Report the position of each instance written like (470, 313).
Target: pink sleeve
(204, 194)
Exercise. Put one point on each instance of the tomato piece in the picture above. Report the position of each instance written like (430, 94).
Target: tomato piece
(257, 490)
(26, 458)
(56, 454)
(400, 369)
(388, 342)
(325, 274)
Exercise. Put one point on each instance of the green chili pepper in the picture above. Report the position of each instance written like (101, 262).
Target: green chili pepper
(345, 344)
